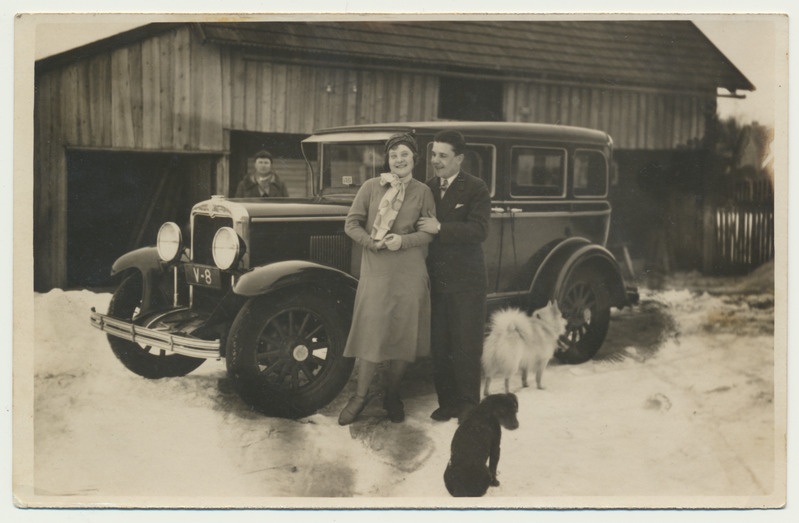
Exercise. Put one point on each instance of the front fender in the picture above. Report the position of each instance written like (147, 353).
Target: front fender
(282, 275)
(148, 263)
(144, 259)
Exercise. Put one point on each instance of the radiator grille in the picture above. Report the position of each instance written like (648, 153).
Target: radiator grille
(332, 250)
(205, 228)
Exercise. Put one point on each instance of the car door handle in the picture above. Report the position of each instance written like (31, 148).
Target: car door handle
(515, 209)
(497, 209)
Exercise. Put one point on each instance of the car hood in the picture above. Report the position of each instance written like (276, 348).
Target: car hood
(244, 208)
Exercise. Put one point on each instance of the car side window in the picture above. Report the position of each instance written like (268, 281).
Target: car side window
(478, 160)
(590, 173)
(538, 171)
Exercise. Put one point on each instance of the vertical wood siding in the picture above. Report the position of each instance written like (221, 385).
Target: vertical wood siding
(167, 93)
(170, 92)
(293, 98)
(635, 120)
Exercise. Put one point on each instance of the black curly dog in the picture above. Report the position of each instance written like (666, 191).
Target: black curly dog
(476, 441)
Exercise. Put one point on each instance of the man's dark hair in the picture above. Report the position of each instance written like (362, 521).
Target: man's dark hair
(454, 138)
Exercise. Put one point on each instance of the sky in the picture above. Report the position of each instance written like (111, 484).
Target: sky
(755, 56)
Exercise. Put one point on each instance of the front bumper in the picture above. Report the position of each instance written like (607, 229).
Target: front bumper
(156, 338)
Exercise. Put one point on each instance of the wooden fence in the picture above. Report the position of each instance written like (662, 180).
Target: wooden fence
(739, 237)
(744, 237)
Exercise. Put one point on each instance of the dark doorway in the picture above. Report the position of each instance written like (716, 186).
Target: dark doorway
(117, 201)
(468, 99)
(288, 162)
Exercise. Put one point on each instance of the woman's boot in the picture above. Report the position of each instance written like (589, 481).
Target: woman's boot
(392, 402)
(351, 410)
(356, 404)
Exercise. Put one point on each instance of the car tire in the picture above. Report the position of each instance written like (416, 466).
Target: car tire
(284, 353)
(144, 360)
(584, 301)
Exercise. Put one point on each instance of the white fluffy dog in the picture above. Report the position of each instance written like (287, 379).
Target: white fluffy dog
(518, 342)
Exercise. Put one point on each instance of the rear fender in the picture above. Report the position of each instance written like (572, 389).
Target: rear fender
(152, 269)
(601, 260)
(285, 275)
(566, 257)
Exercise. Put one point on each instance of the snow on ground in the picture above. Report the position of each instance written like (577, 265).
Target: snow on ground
(677, 409)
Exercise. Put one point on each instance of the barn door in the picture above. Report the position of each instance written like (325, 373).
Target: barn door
(117, 201)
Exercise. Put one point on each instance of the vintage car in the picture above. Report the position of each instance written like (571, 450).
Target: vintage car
(269, 284)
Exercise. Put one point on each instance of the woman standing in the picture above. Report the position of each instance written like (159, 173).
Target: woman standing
(391, 319)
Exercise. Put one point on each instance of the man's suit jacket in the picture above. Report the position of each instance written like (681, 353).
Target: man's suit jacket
(455, 259)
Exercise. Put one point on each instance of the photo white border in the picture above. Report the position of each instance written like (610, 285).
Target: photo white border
(22, 218)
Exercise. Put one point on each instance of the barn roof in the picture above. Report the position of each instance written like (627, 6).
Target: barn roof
(661, 54)
(650, 53)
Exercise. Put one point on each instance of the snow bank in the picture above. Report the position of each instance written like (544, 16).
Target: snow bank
(759, 281)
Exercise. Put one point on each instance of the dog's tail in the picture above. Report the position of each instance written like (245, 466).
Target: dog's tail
(511, 322)
(504, 346)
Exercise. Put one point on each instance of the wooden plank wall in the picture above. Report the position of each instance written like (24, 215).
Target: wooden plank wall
(635, 120)
(50, 189)
(161, 94)
(172, 93)
(291, 98)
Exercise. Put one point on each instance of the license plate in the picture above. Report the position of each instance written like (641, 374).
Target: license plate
(204, 275)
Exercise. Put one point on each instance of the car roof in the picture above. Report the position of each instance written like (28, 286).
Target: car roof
(473, 129)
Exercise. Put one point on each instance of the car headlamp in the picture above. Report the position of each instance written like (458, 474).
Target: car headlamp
(226, 248)
(169, 242)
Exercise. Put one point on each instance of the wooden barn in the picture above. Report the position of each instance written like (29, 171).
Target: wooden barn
(133, 129)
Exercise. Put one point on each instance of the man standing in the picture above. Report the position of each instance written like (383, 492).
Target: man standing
(264, 183)
(458, 277)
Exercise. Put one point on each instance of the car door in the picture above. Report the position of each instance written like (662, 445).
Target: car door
(534, 214)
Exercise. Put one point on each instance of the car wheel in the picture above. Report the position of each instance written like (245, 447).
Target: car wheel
(584, 302)
(144, 360)
(285, 353)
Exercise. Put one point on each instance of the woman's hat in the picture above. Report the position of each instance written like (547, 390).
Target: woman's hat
(402, 138)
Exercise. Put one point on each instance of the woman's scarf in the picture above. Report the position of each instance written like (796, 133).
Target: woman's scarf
(389, 205)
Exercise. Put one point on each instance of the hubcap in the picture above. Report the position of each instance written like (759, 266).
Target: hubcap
(300, 353)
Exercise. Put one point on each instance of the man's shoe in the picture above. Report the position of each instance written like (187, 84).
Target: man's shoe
(444, 414)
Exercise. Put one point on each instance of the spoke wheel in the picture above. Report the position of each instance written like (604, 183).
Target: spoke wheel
(585, 304)
(292, 348)
(285, 355)
(144, 360)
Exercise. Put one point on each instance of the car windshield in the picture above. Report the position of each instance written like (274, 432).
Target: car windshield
(346, 166)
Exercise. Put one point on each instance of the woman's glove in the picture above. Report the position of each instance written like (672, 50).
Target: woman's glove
(376, 245)
(393, 242)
